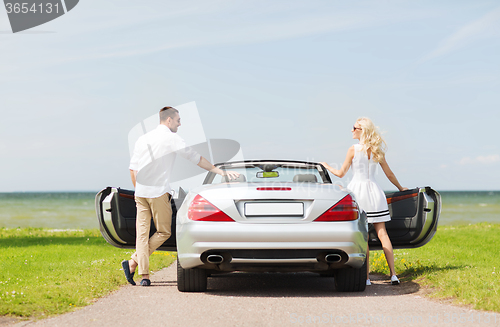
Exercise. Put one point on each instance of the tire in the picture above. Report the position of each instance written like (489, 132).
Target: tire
(191, 280)
(327, 274)
(351, 279)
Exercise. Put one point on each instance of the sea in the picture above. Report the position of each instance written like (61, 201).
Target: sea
(76, 210)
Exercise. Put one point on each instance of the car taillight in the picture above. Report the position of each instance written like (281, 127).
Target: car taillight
(274, 188)
(202, 210)
(345, 210)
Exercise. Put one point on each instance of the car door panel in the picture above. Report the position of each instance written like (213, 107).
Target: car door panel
(116, 211)
(414, 218)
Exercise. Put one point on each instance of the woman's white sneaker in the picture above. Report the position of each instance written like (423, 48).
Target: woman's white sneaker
(394, 280)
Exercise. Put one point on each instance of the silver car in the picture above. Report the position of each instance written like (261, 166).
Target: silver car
(278, 216)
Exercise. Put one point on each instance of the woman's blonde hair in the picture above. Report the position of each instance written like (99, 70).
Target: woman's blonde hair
(371, 139)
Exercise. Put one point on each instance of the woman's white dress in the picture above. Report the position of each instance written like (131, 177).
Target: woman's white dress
(369, 195)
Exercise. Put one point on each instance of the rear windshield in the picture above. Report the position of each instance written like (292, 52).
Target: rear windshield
(271, 172)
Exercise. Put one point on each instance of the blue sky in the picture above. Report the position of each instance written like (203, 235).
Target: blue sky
(286, 79)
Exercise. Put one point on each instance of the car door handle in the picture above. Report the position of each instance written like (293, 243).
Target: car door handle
(109, 210)
(427, 210)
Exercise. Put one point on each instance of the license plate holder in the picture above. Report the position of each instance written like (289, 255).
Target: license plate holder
(274, 209)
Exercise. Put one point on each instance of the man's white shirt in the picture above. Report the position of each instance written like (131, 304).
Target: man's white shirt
(153, 159)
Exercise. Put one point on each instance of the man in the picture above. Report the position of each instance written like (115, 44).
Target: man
(150, 166)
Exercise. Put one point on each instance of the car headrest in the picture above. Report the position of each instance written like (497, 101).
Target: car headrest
(305, 178)
(240, 179)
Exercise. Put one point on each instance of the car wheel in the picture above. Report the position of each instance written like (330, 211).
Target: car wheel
(327, 274)
(351, 279)
(191, 280)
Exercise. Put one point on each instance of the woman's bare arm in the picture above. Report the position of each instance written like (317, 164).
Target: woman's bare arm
(390, 175)
(345, 166)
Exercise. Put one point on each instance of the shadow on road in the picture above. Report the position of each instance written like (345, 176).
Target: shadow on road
(165, 283)
(297, 285)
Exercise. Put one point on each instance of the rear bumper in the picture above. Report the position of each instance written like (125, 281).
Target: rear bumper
(272, 247)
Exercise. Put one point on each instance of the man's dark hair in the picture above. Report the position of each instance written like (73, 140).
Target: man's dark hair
(166, 112)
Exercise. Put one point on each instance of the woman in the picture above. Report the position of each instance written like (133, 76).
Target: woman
(364, 158)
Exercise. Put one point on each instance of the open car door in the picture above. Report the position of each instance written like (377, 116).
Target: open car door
(116, 212)
(414, 218)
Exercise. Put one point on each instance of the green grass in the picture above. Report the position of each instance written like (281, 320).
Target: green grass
(47, 272)
(460, 263)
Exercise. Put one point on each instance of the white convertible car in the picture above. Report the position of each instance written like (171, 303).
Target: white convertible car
(283, 216)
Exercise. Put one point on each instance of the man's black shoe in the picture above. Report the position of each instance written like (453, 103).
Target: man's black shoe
(145, 282)
(128, 274)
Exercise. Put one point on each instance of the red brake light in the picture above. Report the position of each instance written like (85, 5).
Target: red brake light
(202, 210)
(274, 188)
(344, 210)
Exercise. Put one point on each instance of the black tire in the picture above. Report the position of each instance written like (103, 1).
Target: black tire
(191, 280)
(351, 279)
(327, 274)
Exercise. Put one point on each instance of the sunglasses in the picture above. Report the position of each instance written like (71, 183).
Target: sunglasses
(355, 128)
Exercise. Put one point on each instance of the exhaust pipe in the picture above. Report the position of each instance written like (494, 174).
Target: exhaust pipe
(215, 258)
(332, 258)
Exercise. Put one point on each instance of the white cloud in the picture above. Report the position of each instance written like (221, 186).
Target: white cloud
(482, 160)
(482, 28)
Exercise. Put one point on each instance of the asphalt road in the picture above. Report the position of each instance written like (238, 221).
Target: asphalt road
(271, 299)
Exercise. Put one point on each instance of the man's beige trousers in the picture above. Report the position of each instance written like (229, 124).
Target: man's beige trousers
(161, 211)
